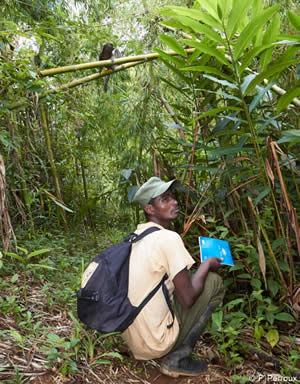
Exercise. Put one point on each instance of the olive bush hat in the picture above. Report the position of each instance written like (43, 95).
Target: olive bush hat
(153, 188)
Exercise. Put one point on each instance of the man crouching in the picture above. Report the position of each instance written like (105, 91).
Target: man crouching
(157, 332)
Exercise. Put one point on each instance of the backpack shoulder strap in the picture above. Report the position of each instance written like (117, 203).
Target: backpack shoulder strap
(133, 237)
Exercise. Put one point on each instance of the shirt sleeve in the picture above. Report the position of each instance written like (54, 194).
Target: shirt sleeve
(174, 255)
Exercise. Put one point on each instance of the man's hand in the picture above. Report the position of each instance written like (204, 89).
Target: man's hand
(214, 263)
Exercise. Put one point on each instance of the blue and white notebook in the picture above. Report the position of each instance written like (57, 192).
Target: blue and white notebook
(210, 247)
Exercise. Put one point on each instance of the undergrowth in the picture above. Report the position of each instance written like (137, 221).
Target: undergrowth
(251, 315)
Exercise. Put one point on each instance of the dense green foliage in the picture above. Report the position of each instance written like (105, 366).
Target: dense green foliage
(218, 119)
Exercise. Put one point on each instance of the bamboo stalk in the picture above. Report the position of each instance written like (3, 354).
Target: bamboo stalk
(105, 63)
(87, 79)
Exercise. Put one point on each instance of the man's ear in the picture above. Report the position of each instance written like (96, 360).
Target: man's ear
(148, 208)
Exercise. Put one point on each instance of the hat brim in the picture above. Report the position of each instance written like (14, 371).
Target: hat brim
(166, 186)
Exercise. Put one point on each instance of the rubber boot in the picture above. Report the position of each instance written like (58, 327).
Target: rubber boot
(180, 362)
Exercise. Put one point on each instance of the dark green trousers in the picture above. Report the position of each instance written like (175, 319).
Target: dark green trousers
(212, 294)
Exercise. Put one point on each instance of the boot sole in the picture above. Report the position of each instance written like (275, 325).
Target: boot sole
(172, 373)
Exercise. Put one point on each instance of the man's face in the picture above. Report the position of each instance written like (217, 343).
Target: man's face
(165, 207)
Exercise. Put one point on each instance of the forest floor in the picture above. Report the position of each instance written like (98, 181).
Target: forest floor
(39, 351)
(46, 344)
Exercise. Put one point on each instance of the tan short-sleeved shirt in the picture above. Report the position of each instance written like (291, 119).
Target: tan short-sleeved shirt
(158, 253)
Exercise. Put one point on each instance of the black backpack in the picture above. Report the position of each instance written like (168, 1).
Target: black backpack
(102, 302)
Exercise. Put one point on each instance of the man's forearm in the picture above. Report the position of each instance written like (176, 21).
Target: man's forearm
(198, 278)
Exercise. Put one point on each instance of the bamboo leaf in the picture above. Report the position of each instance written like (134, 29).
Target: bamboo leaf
(269, 72)
(62, 206)
(200, 28)
(249, 32)
(224, 150)
(270, 35)
(206, 69)
(239, 10)
(260, 95)
(291, 136)
(172, 23)
(38, 252)
(225, 6)
(172, 59)
(249, 56)
(286, 99)
(210, 6)
(194, 14)
(173, 44)
(224, 83)
(290, 37)
(212, 51)
(294, 20)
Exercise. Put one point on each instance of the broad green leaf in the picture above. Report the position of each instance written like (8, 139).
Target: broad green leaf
(63, 206)
(224, 150)
(232, 303)
(247, 35)
(287, 98)
(270, 71)
(217, 318)
(283, 316)
(172, 23)
(257, 9)
(225, 6)
(258, 331)
(210, 6)
(131, 192)
(224, 83)
(256, 283)
(38, 252)
(14, 278)
(200, 28)
(272, 337)
(212, 51)
(15, 256)
(269, 37)
(207, 69)
(249, 56)
(172, 59)
(270, 317)
(173, 44)
(215, 111)
(290, 37)
(126, 173)
(273, 286)
(259, 96)
(198, 15)
(294, 20)
(239, 10)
